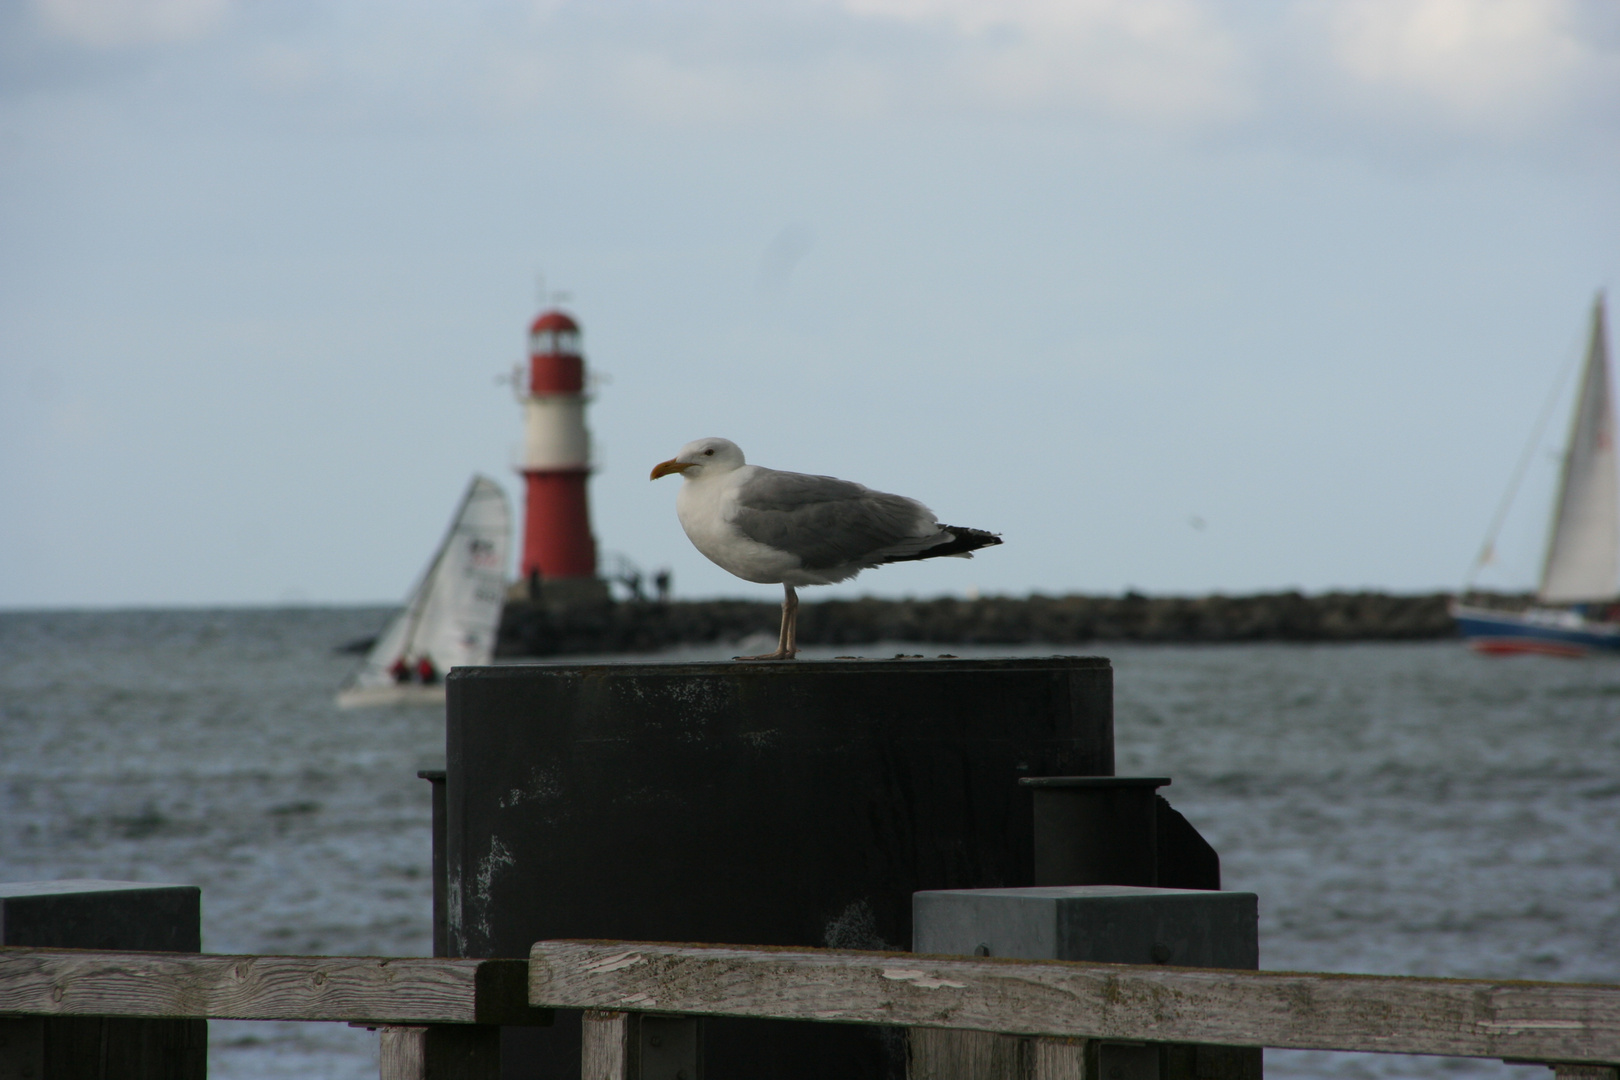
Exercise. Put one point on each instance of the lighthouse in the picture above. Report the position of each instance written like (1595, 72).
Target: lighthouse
(559, 552)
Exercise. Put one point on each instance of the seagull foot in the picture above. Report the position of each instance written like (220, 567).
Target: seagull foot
(787, 641)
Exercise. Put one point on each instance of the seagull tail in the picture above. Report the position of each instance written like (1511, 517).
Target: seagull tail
(959, 542)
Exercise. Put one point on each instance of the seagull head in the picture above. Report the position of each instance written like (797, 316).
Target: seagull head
(702, 456)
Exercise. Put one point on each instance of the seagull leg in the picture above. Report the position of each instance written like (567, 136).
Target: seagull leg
(789, 622)
(787, 639)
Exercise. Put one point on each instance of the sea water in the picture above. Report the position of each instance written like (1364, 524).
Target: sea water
(1399, 809)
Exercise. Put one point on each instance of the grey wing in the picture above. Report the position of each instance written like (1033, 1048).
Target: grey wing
(827, 522)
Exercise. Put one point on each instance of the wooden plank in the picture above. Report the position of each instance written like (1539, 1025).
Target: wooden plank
(403, 1053)
(608, 1045)
(403, 990)
(1568, 1022)
(944, 1054)
(941, 1054)
(1057, 1059)
(441, 1052)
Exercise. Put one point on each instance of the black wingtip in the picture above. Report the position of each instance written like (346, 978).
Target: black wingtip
(978, 537)
(963, 541)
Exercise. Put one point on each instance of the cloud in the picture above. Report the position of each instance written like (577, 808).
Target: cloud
(1157, 59)
(112, 24)
(1502, 64)
(1324, 72)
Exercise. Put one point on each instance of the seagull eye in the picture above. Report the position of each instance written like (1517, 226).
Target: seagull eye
(709, 452)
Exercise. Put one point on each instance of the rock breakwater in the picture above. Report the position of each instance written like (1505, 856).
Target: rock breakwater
(529, 629)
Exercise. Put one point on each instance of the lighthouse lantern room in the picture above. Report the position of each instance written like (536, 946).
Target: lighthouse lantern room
(556, 456)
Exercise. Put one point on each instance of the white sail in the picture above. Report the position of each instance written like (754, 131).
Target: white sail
(453, 613)
(1583, 550)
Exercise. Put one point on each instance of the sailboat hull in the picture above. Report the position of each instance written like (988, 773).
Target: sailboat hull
(1583, 546)
(359, 697)
(1538, 631)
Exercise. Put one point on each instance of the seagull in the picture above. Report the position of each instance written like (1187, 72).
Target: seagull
(794, 529)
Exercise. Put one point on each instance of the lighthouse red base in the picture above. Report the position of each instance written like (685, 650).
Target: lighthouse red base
(557, 540)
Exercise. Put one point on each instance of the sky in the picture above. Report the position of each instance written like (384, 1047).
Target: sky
(1179, 296)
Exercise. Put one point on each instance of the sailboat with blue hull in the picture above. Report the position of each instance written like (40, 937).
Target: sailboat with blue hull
(1575, 608)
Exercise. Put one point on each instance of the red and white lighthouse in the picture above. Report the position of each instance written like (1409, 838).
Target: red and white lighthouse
(556, 456)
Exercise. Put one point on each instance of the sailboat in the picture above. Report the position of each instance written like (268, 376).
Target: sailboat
(452, 614)
(1574, 612)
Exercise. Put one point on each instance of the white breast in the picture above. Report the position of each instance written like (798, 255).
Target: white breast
(705, 507)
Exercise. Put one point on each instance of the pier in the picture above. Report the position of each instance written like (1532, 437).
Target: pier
(543, 629)
(900, 868)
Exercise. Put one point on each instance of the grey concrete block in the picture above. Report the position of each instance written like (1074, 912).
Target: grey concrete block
(1120, 924)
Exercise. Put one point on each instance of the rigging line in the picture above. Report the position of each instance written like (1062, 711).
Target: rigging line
(1488, 548)
(422, 594)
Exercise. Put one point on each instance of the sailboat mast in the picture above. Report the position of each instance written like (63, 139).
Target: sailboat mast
(1583, 546)
(420, 595)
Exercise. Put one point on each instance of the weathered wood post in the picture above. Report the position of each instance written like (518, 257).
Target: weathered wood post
(795, 803)
(608, 1046)
(82, 914)
(439, 1052)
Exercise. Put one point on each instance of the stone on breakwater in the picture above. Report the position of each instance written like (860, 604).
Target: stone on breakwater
(537, 630)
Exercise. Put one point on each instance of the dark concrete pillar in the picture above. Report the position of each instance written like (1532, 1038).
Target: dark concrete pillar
(105, 915)
(762, 804)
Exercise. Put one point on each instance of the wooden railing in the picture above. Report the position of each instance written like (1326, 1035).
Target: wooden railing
(436, 1016)
(342, 989)
(1061, 1005)
(1553, 1022)
(436, 1010)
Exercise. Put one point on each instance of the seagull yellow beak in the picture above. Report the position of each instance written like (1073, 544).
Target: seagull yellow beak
(664, 468)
